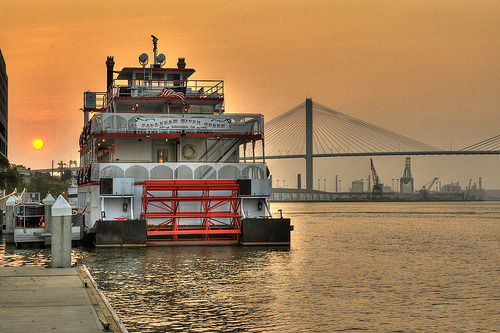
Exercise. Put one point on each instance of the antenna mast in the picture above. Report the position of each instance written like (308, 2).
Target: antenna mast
(155, 49)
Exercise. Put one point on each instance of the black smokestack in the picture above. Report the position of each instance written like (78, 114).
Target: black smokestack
(110, 63)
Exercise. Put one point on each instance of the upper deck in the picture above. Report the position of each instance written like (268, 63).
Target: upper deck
(250, 126)
(157, 90)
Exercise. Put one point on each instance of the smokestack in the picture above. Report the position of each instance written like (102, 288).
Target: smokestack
(110, 63)
(181, 64)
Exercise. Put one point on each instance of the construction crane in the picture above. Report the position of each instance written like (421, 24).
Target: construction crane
(425, 191)
(377, 186)
(406, 182)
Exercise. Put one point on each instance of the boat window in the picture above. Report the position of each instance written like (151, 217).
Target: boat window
(252, 172)
(139, 173)
(229, 172)
(161, 172)
(105, 150)
(161, 155)
(183, 172)
(205, 172)
(112, 171)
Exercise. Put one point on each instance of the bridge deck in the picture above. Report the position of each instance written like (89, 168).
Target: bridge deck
(390, 153)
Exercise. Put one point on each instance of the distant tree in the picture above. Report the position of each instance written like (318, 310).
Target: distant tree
(66, 176)
(4, 162)
(10, 178)
(45, 185)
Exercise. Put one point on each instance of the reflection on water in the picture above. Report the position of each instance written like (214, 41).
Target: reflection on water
(26, 255)
(352, 266)
(196, 288)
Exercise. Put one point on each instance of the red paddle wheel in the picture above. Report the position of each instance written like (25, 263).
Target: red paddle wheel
(197, 211)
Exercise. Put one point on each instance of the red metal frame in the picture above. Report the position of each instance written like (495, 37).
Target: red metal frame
(219, 214)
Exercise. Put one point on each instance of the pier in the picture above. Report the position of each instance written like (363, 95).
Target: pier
(54, 300)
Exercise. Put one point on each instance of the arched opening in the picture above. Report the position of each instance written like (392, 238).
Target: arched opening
(161, 172)
(139, 173)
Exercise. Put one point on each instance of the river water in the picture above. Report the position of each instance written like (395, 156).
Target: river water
(383, 267)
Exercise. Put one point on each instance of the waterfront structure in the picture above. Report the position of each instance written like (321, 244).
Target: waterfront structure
(357, 186)
(24, 172)
(452, 187)
(4, 105)
(160, 159)
(406, 182)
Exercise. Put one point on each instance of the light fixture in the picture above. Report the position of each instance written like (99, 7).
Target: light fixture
(143, 59)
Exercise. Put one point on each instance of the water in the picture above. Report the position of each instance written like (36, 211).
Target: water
(389, 267)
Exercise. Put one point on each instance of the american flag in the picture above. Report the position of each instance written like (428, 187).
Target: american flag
(171, 94)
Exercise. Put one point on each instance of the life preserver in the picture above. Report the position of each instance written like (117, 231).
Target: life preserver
(189, 151)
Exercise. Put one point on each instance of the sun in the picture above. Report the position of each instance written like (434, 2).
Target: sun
(38, 144)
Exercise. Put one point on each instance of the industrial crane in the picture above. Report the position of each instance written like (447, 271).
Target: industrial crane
(425, 191)
(377, 186)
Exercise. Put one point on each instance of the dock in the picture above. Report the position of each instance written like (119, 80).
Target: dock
(38, 299)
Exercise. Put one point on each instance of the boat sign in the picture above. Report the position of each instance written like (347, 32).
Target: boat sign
(164, 123)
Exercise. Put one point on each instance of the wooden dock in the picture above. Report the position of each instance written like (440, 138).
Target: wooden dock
(38, 299)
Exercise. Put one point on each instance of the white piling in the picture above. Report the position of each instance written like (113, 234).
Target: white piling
(48, 202)
(9, 215)
(61, 234)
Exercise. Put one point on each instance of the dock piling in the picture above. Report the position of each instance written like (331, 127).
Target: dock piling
(61, 234)
(48, 202)
(9, 214)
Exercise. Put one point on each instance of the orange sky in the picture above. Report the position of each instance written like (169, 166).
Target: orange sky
(426, 69)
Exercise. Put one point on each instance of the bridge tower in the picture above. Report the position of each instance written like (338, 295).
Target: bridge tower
(309, 144)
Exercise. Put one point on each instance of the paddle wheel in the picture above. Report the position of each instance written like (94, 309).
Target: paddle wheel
(196, 211)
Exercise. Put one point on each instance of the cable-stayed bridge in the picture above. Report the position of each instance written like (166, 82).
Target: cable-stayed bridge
(312, 130)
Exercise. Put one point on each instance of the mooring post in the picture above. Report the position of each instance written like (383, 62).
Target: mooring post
(61, 234)
(48, 202)
(9, 214)
(9, 219)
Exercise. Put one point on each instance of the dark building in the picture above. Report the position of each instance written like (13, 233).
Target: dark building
(4, 102)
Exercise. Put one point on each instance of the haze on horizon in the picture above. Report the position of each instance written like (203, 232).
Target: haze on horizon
(428, 69)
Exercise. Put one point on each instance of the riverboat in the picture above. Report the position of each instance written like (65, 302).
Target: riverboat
(163, 163)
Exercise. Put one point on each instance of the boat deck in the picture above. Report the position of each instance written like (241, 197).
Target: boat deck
(38, 299)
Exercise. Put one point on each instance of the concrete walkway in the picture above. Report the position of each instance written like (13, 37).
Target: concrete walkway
(37, 299)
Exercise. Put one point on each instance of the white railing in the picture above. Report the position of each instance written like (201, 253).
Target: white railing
(151, 88)
(146, 171)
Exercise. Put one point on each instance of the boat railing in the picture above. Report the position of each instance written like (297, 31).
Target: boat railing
(252, 124)
(153, 88)
(93, 101)
(173, 170)
(29, 215)
(196, 89)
